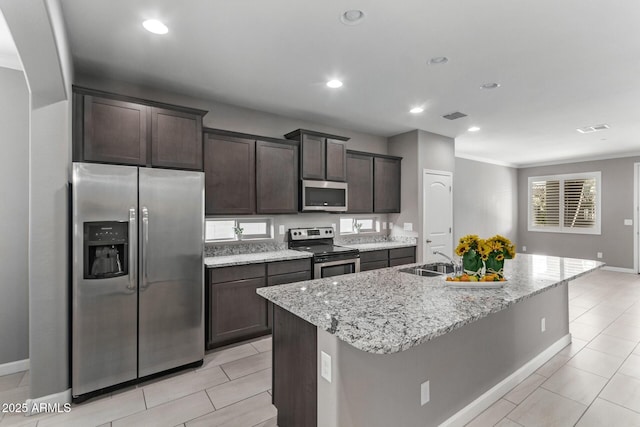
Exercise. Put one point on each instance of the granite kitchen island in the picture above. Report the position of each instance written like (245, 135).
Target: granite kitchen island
(401, 349)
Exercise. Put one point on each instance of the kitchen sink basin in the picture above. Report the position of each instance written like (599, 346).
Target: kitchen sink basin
(432, 269)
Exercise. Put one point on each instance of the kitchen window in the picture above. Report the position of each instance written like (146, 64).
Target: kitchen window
(224, 230)
(367, 225)
(565, 203)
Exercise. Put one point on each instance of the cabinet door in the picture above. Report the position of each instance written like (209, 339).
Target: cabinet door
(229, 168)
(114, 131)
(236, 311)
(360, 180)
(386, 185)
(312, 157)
(176, 139)
(336, 160)
(276, 178)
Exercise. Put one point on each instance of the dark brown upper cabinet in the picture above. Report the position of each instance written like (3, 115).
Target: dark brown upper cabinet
(276, 178)
(322, 156)
(114, 131)
(230, 175)
(360, 180)
(111, 128)
(249, 174)
(386, 184)
(176, 139)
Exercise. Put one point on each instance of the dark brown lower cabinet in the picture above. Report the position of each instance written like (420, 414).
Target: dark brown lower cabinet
(295, 377)
(373, 260)
(401, 256)
(234, 311)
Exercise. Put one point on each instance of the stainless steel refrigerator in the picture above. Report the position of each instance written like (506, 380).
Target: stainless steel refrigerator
(137, 274)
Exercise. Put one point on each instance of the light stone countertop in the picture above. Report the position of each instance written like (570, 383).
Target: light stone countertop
(376, 246)
(387, 311)
(255, 258)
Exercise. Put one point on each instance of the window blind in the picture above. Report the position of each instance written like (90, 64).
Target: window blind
(545, 203)
(580, 203)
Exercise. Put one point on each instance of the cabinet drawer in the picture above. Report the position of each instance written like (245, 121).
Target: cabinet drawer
(371, 256)
(281, 279)
(284, 267)
(239, 272)
(401, 261)
(375, 265)
(402, 252)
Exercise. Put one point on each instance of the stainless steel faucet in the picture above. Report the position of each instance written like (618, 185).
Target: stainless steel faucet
(457, 266)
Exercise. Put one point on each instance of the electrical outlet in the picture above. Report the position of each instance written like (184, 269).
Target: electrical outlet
(628, 222)
(408, 226)
(543, 324)
(281, 229)
(325, 366)
(334, 227)
(424, 393)
(599, 255)
(524, 249)
(390, 226)
(384, 225)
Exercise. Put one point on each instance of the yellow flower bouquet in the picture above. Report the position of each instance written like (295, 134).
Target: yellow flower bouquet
(484, 256)
(469, 249)
(494, 251)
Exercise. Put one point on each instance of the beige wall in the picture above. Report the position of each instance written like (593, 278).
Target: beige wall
(14, 216)
(485, 200)
(616, 240)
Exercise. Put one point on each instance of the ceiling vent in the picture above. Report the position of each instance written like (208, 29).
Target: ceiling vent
(454, 115)
(591, 129)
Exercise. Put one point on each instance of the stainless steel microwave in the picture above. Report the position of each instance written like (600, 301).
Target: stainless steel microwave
(327, 196)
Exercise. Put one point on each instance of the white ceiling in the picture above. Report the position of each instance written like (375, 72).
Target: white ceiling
(562, 65)
(8, 52)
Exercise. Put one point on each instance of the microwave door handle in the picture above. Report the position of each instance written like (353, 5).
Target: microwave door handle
(133, 270)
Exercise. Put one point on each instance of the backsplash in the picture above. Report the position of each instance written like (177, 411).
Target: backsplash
(216, 249)
(236, 248)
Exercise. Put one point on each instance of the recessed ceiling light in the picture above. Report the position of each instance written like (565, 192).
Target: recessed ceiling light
(352, 17)
(490, 85)
(438, 60)
(154, 26)
(416, 110)
(473, 129)
(334, 84)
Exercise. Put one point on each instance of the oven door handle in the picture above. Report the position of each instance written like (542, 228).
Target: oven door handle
(318, 266)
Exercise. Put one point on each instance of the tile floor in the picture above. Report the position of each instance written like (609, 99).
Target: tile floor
(595, 381)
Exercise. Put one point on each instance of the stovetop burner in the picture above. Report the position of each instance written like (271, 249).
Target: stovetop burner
(319, 241)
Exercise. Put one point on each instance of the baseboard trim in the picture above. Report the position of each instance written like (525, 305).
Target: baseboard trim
(13, 367)
(57, 402)
(476, 407)
(619, 269)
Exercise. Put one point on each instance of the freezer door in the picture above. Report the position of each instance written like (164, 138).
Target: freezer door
(171, 291)
(104, 306)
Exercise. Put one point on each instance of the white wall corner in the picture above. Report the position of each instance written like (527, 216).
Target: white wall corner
(14, 367)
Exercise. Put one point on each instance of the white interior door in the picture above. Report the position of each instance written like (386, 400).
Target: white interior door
(438, 215)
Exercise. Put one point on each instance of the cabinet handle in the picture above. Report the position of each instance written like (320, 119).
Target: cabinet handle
(428, 241)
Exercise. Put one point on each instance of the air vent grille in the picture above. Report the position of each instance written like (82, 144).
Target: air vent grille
(591, 129)
(454, 115)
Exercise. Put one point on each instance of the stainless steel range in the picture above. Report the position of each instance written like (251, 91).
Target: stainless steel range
(328, 259)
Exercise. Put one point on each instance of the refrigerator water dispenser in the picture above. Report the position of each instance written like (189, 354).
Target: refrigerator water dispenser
(106, 248)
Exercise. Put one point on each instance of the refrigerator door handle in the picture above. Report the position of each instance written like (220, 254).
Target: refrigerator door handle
(133, 229)
(145, 243)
